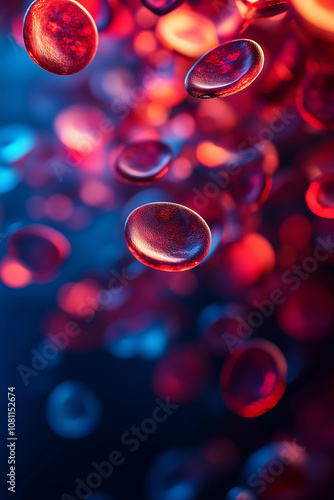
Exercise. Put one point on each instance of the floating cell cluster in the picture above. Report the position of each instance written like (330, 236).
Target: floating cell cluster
(166, 245)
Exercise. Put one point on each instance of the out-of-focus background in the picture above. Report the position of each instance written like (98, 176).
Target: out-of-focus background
(107, 354)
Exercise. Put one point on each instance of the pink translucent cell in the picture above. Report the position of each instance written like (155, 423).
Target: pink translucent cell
(83, 129)
(225, 70)
(320, 196)
(315, 100)
(39, 249)
(167, 236)
(187, 32)
(143, 161)
(60, 36)
(161, 7)
(182, 374)
(251, 9)
(316, 16)
(253, 378)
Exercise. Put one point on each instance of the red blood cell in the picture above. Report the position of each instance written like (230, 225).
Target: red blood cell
(182, 374)
(161, 7)
(39, 249)
(251, 9)
(308, 313)
(225, 70)
(315, 100)
(60, 36)
(317, 16)
(144, 161)
(253, 378)
(320, 196)
(167, 236)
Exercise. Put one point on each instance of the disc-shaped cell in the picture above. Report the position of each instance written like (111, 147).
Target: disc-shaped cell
(225, 70)
(73, 410)
(39, 249)
(315, 100)
(252, 9)
(143, 161)
(161, 7)
(253, 378)
(316, 16)
(167, 236)
(320, 196)
(60, 35)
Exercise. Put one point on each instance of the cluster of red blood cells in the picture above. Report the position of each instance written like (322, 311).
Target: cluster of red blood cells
(220, 158)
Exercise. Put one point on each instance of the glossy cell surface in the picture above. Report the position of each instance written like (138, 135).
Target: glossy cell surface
(320, 196)
(161, 7)
(315, 100)
(167, 236)
(253, 378)
(38, 248)
(60, 36)
(143, 161)
(225, 70)
(251, 9)
(73, 410)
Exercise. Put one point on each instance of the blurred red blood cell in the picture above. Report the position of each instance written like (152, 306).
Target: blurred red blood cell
(182, 374)
(315, 100)
(161, 7)
(40, 249)
(316, 16)
(296, 231)
(143, 161)
(167, 236)
(187, 32)
(60, 36)
(308, 313)
(251, 9)
(253, 378)
(320, 196)
(225, 70)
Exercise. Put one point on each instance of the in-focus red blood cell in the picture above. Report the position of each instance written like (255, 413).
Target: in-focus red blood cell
(315, 100)
(144, 161)
(161, 7)
(40, 249)
(167, 236)
(60, 35)
(225, 70)
(320, 196)
(251, 9)
(253, 378)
